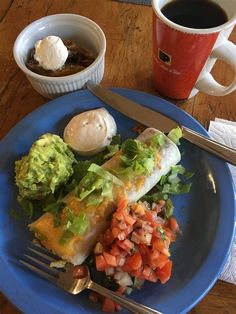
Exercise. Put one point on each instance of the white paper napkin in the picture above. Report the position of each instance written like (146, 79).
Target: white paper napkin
(224, 132)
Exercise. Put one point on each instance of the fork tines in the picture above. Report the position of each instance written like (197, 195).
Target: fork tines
(38, 260)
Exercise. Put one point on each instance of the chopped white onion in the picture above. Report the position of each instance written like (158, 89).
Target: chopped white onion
(123, 279)
(110, 271)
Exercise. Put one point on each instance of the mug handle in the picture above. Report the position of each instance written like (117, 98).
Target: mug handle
(226, 51)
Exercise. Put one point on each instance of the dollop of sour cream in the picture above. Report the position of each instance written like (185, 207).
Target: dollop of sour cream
(90, 132)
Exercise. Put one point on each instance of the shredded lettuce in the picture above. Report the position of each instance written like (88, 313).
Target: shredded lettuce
(158, 140)
(178, 169)
(80, 169)
(75, 225)
(96, 185)
(168, 208)
(106, 175)
(175, 135)
(78, 225)
(154, 197)
(171, 184)
(113, 147)
(87, 186)
(178, 188)
(95, 199)
(67, 235)
(138, 158)
(110, 150)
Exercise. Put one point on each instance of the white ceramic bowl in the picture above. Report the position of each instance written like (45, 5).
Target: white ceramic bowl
(67, 26)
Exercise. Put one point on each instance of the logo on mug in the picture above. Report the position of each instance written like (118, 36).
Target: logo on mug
(164, 57)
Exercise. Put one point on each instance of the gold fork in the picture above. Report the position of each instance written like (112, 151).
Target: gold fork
(74, 279)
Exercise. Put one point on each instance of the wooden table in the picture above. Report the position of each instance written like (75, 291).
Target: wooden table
(128, 64)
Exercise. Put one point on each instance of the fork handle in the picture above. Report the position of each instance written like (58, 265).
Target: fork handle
(130, 305)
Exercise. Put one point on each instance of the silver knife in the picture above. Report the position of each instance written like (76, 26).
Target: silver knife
(159, 121)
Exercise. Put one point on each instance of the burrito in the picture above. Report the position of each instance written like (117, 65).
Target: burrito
(71, 228)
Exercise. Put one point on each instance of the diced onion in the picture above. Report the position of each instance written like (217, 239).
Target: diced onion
(110, 271)
(123, 279)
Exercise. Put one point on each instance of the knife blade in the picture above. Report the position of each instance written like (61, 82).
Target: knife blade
(159, 121)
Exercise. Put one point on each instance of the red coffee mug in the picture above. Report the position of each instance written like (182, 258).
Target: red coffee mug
(183, 57)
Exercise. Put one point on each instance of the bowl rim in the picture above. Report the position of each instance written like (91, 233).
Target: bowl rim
(55, 79)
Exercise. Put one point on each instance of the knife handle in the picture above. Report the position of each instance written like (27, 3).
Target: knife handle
(224, 152)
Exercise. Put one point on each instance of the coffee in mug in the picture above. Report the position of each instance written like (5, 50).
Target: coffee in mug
(188, 37)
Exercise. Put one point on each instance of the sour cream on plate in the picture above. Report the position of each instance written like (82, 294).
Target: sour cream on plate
(90, 132)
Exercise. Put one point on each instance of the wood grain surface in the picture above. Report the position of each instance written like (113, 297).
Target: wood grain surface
(128, 64)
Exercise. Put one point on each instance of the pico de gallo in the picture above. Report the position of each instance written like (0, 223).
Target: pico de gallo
(135, 247)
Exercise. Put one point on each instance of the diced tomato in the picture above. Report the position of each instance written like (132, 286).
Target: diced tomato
(161, 246)
(126, 245)
(129, 219)
(138, 273)
(146, 272)
(122, 225)
(165, 273)
(138, 209)
(118, 216)
(108, 237)
(115, 251)
(150, 216)
(157, 244)
(114, 224)
(110, 259)
(134, 261)
(153, 258)
(162, 260)
(146, 232)
(128, 230)
(153, 276)
(122, 204)
(154, 255)
(144, 251)
(108, 306)
(169, 234)
(126, 268)
(156, 233)
(115, 232)
(101, 263)
(173, 224)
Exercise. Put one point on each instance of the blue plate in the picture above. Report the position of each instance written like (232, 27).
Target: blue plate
(206, 215)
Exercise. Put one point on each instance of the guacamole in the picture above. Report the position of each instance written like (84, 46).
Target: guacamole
(47, 166)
